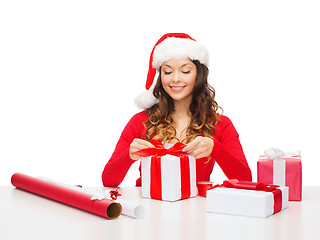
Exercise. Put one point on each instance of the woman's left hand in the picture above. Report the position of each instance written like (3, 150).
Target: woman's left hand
(200, 147)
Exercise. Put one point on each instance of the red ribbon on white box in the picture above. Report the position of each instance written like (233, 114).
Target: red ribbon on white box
(158, 165)
(247, 198)
(155, 180)
(277, 194)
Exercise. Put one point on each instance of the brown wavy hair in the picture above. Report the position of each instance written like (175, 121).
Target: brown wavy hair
(203, 111)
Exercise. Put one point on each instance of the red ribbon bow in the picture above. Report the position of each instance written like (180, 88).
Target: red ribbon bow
(114, 194)
(234, 183)
(160, 150)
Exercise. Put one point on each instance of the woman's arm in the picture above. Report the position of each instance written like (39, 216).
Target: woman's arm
(228, 153)
(120, 161)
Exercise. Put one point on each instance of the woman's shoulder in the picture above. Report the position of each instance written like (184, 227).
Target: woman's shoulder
(138, 119)
(140, 116)
(135, 127)
(223, 120)
(223, 124)
(224, 127)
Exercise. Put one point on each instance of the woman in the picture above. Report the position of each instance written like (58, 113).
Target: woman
(180, 108)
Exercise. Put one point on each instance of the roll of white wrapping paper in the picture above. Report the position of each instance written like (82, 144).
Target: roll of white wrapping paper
(131, 209)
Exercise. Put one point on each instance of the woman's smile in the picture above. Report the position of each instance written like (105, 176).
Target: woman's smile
(177, 88)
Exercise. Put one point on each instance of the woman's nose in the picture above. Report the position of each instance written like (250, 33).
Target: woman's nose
(176, 77)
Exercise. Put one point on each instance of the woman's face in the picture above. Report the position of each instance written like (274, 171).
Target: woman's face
(178, 77)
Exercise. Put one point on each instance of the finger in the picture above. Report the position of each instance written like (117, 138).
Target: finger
(200, 155)
(134, 156)
(148, 144)
(201, 152)
(137, 146)
(191, 146)
(143, 143)
(196, 153)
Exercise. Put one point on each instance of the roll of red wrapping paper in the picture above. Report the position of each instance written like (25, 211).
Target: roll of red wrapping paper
(203, 187)
(105, 208)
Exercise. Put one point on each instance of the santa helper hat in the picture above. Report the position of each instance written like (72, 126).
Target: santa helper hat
(170, 45)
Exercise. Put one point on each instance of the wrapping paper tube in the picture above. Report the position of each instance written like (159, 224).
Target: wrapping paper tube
(131, 209)
(72, 187)
(81, 200)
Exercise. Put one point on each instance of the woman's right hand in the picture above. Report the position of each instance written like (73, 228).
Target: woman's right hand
(137, 145)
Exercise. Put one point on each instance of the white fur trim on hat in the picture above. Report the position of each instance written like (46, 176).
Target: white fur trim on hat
(179, 48)
(146, 99)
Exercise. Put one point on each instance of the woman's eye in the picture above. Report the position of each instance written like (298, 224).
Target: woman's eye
(186, 72)
(167, 73)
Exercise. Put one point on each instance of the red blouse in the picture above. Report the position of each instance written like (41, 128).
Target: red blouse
(227, 152)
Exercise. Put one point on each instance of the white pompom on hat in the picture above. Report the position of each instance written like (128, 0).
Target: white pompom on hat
(170, 45)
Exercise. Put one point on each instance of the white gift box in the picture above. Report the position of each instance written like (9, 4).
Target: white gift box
(244, 202)
(171, 189)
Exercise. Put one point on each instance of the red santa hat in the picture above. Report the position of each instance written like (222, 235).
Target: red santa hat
(170, 45)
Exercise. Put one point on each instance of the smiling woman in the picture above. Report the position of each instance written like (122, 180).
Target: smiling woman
(182, 108)
(178, 77)
(192, 105)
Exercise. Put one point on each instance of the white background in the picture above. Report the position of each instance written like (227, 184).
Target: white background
(70, 70)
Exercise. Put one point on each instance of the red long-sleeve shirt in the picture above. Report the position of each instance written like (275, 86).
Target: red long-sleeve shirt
(227, 152)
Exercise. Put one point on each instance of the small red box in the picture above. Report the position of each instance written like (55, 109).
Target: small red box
(285, 172)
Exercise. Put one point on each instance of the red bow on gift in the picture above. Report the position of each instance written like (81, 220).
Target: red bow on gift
(234, 183)
(160, 150)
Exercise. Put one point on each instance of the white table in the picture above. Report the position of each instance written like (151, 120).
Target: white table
(27, 216)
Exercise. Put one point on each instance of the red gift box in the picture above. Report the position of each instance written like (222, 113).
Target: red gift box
(286, 171)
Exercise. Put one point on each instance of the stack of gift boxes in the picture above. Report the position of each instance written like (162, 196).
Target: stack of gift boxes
(170, 175)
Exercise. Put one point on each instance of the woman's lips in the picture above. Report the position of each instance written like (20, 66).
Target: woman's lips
(177, 88)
